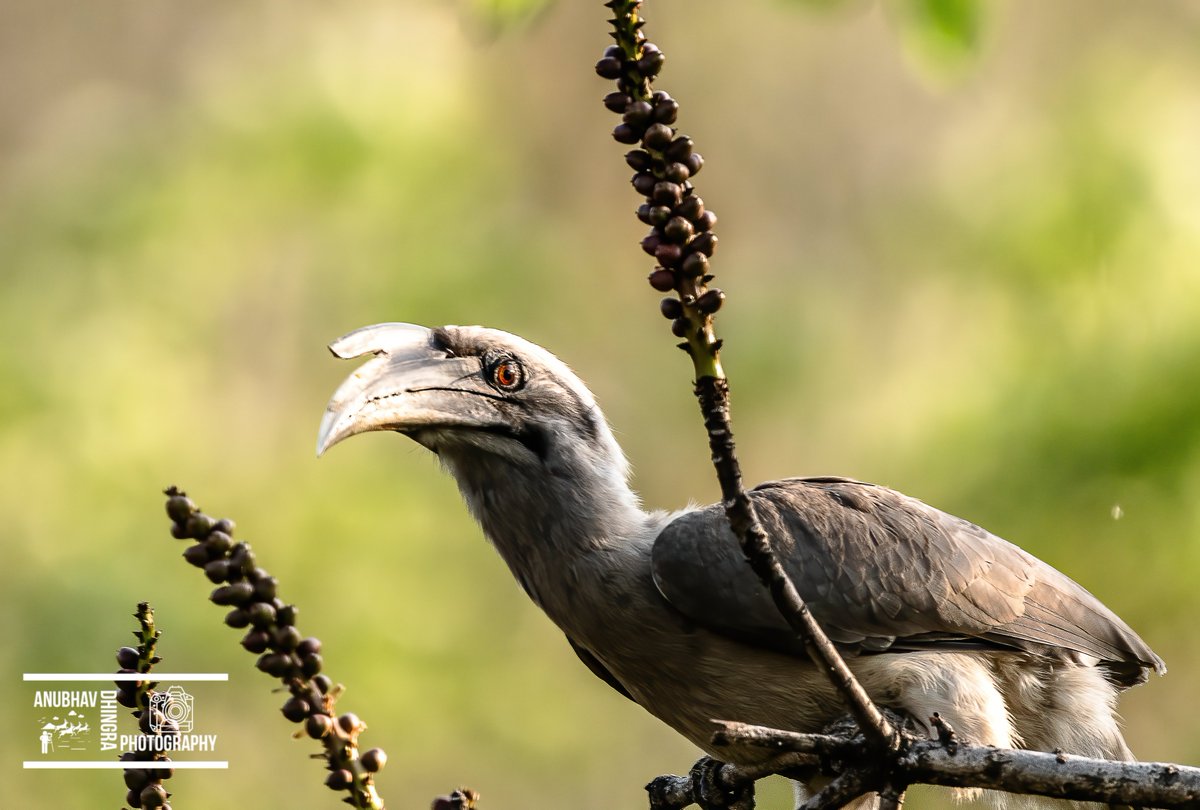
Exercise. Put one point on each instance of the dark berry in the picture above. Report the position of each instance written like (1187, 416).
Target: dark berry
(197, 555)
(218, 542)
(609, 68)
(666, 111)
(651, 242)
(678, 230)
(309, 646)
(706, 221)
(671, 308)
(679, 327)
(658, 136)
(659, 214)
(694, 163)
(710, 301)
(180, 508)
(617, 101)
(199, 525)
(626, 133)
(261, 614)
(705, 243)
(692, 207)
(241, 558)
(638, 113)
(668, 255)
(695, 264)
(676, 172)
(237, 618)
(217, 570)
(274, 664)
(651, 63)
(136, 779)
(639, 160)
(296, 709)
(225, 525)
(285, 614)
(323, 683)
(643, 213)
(285, 639)
(237, 593)
(662, 279)
(256, 641)
(153, 795)
(667, 193)
(374, 759)
(265, 585)
(680, 148)
(311, 664)
(643, 183)
(350, 723)
(318, 725)
(127, 658)
(339, 779)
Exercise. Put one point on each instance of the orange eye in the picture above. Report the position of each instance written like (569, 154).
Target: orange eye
(506, 374)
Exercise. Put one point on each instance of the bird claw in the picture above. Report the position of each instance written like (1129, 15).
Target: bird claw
(714, 790)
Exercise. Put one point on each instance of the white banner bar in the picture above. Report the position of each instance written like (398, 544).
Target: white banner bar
(126, 676)
(82, 764)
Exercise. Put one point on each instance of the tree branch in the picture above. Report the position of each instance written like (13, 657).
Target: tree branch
(959, 764)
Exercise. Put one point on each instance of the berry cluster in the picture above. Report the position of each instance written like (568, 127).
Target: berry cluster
(681, 238)
(271, 634)
(462, 799)
(145, 785)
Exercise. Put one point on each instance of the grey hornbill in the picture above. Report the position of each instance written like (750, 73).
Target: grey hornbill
(932, 612)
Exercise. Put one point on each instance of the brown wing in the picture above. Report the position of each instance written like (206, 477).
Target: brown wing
(884, 572)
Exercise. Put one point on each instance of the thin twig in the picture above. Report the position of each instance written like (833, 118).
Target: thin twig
(731, 733)
(713, 395)
(681, 240)
(845, 788)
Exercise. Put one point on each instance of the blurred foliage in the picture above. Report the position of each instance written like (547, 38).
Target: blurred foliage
(985, 294)
(941, 34)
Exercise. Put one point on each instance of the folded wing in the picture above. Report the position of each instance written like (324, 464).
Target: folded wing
(883, 572)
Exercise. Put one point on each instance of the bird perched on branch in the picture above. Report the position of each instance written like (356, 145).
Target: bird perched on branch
(932, 613)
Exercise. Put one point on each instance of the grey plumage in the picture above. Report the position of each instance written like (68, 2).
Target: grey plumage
(882, 571)
(933, 613)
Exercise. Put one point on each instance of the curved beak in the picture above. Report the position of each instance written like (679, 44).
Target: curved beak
(409, 384)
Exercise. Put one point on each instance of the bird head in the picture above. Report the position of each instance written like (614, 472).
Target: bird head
(468, 392)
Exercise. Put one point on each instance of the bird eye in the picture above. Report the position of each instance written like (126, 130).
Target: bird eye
(507, 374)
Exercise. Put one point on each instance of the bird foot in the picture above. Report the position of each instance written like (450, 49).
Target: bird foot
(713, 789)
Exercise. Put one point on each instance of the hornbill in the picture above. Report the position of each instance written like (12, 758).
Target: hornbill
(933, 613)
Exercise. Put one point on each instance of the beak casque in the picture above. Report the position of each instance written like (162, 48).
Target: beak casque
(408, 384)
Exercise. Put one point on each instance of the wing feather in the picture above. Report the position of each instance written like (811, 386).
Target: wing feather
(884, 572)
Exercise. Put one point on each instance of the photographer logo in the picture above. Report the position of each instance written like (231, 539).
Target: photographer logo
(171, 711)
(92, 727)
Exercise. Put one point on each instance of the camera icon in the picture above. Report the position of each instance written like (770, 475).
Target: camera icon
(171, 711)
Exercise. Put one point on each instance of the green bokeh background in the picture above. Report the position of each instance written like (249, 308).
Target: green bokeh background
(962, 255)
